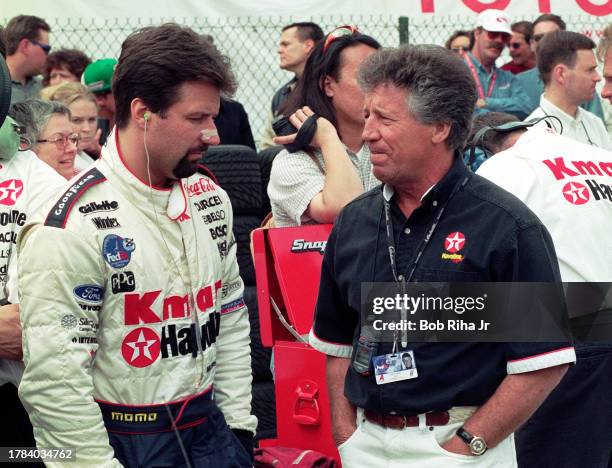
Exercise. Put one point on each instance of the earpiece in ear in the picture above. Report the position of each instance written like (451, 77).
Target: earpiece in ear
(147, 115)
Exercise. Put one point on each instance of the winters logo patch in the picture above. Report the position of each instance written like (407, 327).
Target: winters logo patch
(576, 193)
(10, 190)
(453, 243)
(117, 251)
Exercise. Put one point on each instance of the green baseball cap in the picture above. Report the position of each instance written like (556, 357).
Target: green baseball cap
(98, 76)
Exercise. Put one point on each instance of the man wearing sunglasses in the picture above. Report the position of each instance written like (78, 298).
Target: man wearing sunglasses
(27, 46)
(523, 58)
(497, 89)
(530, 80)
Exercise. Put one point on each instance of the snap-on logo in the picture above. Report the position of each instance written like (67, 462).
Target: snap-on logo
(301, 246)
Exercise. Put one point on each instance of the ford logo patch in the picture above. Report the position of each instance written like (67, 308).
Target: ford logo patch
(89, 293)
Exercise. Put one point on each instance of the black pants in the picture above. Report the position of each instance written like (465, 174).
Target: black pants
(573, 427)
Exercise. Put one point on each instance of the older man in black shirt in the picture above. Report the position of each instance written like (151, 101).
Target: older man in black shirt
(447, 225)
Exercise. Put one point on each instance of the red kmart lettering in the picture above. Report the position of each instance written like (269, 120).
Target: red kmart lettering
(138, 308)
(561, 170)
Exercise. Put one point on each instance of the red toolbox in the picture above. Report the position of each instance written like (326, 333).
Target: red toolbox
(287, 270)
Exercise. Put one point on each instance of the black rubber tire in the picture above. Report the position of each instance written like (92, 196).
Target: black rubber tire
(243, 225)
(266, 157)
(260, 356)
(264, 407)
(237, 171)
(5, 90)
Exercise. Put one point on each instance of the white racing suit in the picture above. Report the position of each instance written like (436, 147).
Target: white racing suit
(124, 289)
(26, 185)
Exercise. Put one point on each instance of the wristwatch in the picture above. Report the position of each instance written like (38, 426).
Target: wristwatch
(478, 446)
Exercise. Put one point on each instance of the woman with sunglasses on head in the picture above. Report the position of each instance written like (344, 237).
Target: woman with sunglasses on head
(313, 184)
(49, 130)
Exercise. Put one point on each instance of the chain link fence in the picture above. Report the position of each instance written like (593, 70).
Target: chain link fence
(251, 42)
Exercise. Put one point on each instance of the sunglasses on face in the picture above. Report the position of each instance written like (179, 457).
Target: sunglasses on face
(45, 47)
(537, 37)
(346, 30)
(515, 45)
(460, 49)
(494, 35)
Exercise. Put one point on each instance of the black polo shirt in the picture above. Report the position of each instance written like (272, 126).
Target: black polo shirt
(502, 241)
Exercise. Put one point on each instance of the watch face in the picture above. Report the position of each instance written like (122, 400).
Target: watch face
(478, 446)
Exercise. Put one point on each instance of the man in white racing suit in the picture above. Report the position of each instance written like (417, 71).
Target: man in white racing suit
(136, 336)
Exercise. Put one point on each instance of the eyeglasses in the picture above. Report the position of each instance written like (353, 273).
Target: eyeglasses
(515, 45)
(492, 35)
(62, 142)
(537, 37)
(460, 49)
(45, 47)
(340, 31)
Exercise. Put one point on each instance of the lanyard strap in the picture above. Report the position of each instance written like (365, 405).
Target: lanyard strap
(424, 241)
(479, 88)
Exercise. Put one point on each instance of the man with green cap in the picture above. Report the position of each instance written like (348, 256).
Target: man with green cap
(98, 77)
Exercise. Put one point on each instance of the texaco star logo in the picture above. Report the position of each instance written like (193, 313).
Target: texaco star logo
(10, 190)
(140, 347)
(576, 193)
(454, 242)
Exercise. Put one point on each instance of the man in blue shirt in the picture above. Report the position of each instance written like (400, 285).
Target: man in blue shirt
(498, 90)
(530, 80)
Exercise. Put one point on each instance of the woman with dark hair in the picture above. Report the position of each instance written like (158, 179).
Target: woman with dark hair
(64, 65)
(460, 41)
(311, 186)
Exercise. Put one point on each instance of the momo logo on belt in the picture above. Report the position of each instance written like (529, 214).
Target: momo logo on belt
(301, 245)
(10, 190)
(133, 417)
(560, 169)
(89, 294)
(200, 186)
(117, 251)
(138, 308)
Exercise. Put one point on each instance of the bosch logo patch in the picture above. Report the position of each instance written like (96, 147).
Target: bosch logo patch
(117, 251)
(89, 294)
(141, 347)
(576, 193)
(10, 190)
